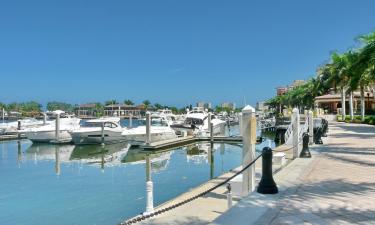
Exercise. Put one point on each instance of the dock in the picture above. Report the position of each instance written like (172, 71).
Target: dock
(10, 137)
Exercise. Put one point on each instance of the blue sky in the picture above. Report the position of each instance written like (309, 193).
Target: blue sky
(171, 52)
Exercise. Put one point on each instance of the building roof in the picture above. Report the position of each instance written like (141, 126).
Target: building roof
(337, 97)
(88, 105)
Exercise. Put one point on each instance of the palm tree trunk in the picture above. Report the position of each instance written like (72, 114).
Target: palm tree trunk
(351, 105)
(343, 110)
(362, 103)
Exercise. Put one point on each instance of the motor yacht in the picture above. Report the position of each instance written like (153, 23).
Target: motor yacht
(196, 123)
(47, 133)
(105, 130)
(160, 130)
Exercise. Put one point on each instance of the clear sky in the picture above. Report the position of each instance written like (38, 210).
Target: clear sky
(171, 52)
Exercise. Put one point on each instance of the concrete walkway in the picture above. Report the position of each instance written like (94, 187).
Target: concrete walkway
(336, 186)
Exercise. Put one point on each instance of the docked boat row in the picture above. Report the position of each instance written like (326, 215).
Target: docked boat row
(164, 125)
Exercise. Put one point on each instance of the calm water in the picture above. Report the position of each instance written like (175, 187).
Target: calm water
(46, 184)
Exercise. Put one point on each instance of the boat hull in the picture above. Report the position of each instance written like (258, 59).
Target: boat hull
(49, 136)
(95, 137)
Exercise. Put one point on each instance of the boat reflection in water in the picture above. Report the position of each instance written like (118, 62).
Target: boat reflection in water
(159, 160)
(105, 156)
(102, 156)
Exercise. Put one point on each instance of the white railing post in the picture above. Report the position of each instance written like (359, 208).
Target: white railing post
(149, 188)
(248, 151)
(295, 132)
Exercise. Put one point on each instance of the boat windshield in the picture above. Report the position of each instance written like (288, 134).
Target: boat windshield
(194, 121)
(155, 122)
(99, 124)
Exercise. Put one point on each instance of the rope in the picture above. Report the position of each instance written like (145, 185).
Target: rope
(160, 211)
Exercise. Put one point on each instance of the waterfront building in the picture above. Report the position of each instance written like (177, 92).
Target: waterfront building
(261, 106)
(86, 111)
(124, 110)
(331, 102)
(230, 105)
(281, 90)
(205, 105)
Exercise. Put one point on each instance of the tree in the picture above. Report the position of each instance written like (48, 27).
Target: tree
(52, 106)
(146, 103)
(158, 106)
(128, 102)
(111, 102)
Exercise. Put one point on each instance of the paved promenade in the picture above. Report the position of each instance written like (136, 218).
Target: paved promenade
(336, 186)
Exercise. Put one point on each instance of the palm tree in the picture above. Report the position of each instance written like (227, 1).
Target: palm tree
(128, 102)
(146, 103)
(363, 69)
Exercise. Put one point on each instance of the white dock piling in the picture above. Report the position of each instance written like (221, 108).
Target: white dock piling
(311, 127)
(57, 127)
(295, 132)
(149, 188)
(44, 118)
(130, 120)
(240, 123)
(19, 128)
(102, 134)
(3, 115)
(248, 151)
(209, 122)
(148, 128)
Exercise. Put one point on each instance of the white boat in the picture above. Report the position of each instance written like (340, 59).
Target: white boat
(90, 132)
(47, 133)
(12, 127)
(196, 123)
(160, 130)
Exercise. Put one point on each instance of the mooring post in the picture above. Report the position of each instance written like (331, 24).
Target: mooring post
(295, 132)
(130, 120)
(102, 134)
(3, 115)
(229, 196)
(305, 153)
(44, 118)
(149, 187)
(267, 184)
(311, 127)
(240, 123)
(211, 160)
(19, 148)
(148, 128)
(57, 127)
(209, 123)
(212, 133)
(248, 151)
(19, 128)
(57, 160)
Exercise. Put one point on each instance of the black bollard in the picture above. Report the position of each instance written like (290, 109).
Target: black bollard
(267, 185)
(305, 153)
(318, 136)
(324, 127)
